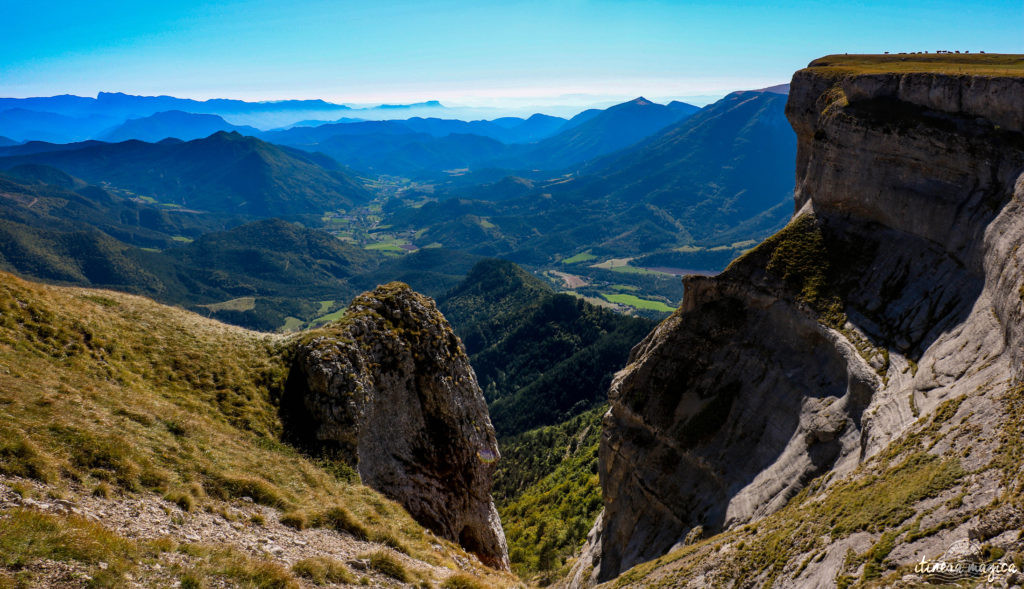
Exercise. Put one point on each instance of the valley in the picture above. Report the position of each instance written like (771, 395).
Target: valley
(181, 190)
(769, 341)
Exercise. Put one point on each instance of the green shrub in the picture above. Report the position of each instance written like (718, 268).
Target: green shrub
(182, 499)
(21, 458)
(339, 469)
(29, 535)
(390, 540)
(102, 490)
(801, 257)
(989, 552)
(461, 581)
(322, 570)
(236, 487)
(295, 519)
(340, 519)
(178, 427)
(228, 564)
(386, 564)
(107, 457)
(261, 574)
(873, 566)
(154, 478)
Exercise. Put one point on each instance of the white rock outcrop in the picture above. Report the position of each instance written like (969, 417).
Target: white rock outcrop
(897, 286)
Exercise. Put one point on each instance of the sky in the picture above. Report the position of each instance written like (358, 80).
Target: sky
(476, 53)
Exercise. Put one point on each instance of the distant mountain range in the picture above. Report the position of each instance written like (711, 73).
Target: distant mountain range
(505, 129)
(26, 118)
(176, 124)
(128, 105)
(729, 166)
(426, 147)
(573, 198)
(415, 145)
(222, 173)
(598, 133)
(22, 124)
(724, 173)
(644, 177)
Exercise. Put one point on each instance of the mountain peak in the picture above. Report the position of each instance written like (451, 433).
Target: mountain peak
(427, 104)
(633, 105)
(494, 274)
(541, 117)
(226, 136)
(776, 89)
(203, 174)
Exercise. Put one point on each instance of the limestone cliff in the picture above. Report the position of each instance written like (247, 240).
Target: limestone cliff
(390, 390)
(876, 337)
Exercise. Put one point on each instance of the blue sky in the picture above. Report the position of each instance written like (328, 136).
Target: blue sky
(480, 53)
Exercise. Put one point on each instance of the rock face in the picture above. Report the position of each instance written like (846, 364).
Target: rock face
(390, 390)
(896, 287)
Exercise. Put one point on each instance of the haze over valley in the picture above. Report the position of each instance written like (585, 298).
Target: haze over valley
(609, 205)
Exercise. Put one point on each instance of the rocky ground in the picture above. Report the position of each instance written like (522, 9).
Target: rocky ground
(250, 528)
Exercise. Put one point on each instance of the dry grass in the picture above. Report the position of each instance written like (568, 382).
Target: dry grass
(28, 536)
(114, 394)
(386, 564)
(461, 581)
(323, 570)
(976, 64)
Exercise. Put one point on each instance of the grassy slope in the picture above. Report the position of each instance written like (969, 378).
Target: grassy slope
(976, 64)
(698, 181)
(224, 172)
(105, 390)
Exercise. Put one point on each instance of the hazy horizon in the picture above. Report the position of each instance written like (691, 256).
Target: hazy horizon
(485, 54)
(565, 107)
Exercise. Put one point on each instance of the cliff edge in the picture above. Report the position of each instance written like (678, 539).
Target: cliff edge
(764, 432)
(390, 391)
